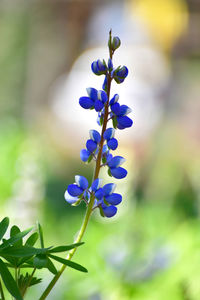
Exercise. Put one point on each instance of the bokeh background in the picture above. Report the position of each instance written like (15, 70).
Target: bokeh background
(151, 249)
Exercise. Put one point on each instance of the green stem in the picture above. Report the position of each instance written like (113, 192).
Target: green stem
(1, 291)
(91, 203)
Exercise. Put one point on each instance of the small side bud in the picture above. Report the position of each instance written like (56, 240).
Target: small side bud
(115, 43)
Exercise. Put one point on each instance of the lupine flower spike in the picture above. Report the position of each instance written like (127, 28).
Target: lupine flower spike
(111, 115)
(100, 144)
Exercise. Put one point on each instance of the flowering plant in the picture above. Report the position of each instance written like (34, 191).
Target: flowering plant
(96, 195)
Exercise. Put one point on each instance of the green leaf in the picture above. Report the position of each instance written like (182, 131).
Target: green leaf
(40, 261)
(9, 281)
(32, 239)
(114, 121)
(90, 159)
(101, 120)
(41, 235)
(109, 173)
(68, 263)
(65, 248)
(14, 239)
(35, 280)
(14, 231)
(24, 280)
(23, 251)
(101, 211)
(3, 226)
(77, 202)
(51, 267)
(12, 260)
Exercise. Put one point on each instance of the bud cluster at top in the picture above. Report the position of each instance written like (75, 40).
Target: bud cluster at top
(99, 145)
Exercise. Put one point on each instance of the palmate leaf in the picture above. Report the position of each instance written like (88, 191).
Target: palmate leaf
(11, 241)
(68, 263)
(9, 281)
(24, 280)
(3, 226)
(64, 248)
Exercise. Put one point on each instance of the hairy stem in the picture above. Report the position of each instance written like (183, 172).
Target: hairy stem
(92, 198)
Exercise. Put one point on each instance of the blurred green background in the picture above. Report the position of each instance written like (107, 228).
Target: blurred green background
(151, 249)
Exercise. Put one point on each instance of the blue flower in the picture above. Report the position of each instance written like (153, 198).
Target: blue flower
(116, 161)
(95, 135)
(70, 199)
(98, 67)
(109, 211)
(92, 93)
(112, 144)
(118, 173)
(114, 199)
(109, 188)
(74, 190)
(84, 155)
(120, 74)
(81, 181)
(109, 133)
(124, 122)
(116, 43)
(102, 96)
(96, 184)
(91, 145)
(114, 99)
(115, 169)
(98, 105)
(86, 102)
(115, 108)
(99, 194)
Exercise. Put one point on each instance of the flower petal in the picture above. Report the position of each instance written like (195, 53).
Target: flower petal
(112, 144)
(118, 173)
(81, 181)
(84, 155)
(86, 102)
(124, 110)
(102, 96)
(109, 188)
(95, 135)
(116, 161)
(91, 145)
(99, 194)
(124, 121)
(96, 184)
(74, 190)
(109, 211)
(114, 99)
(114, 199)
(109, 133)
(115, 108)
(70, 199)
(98, 105)
(92, 93)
